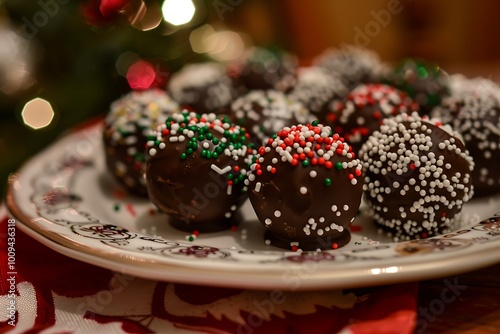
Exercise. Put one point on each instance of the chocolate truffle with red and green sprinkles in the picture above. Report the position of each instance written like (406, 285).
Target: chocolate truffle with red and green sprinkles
(363, 110)
(264, 113)
(417, 176)
(195, 170)
(305, 187)
(477, 118)
(204, 87)
(127, 126)
(317, 89)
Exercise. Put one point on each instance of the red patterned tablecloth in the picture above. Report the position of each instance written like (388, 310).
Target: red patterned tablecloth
(43, 291)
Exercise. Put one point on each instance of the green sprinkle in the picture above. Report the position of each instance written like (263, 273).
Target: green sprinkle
(209, 136)
(315, 123)
(116, 207)
(305, 163)
(183, 156)
(338, 166)
(191, 238)
(189, 151)
(328, 182)
(230, 176)
(201, 137)
(215, 141)
(215, 155)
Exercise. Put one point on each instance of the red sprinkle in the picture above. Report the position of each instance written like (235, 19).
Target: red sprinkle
(130, 209)
(295, 248)
(335, 246)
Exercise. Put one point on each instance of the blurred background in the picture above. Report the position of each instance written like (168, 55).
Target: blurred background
(62, 62)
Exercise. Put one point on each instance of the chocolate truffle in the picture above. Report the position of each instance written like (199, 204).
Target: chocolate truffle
(264, 113)
(354, 65)
(364, 109)
(461, 86)
(477, 119)
(425, 82)
(262, 69)
(195, 170)
(417, 176)
(306, 188)
(127, 126)
(204, 87)
(316, 89)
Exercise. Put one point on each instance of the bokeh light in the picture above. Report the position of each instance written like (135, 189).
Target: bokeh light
(37, 113)
(178, 12)
(222, 45)
(141, 75)
(147, 18)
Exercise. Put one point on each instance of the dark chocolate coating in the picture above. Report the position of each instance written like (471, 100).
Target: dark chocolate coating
(477, 119)
(305, 201)
(364, 109)
(128, 170)
(203, 87)
(202, 193)
(263, 69)
(417, 177)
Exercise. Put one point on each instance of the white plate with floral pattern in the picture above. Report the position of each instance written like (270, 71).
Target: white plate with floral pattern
(65, 198)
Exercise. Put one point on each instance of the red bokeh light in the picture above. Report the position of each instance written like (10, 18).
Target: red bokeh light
(141, 75)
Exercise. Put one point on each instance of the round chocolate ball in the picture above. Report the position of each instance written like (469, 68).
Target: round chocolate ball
(317, 89)
(461, 86)
(204, 87)
(417, 176)
(477, 119)
(425, 82)
(129, 123)
(264, 113)
(363, 110)
(354, 65)
(195, 170)
(262, 69)
(306, 188)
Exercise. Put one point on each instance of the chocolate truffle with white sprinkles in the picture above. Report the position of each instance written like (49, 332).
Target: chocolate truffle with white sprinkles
(204, 87)
(195, 170)
(264, 113)
(317, 89)
(262, 68)
(477, 118)
(354, 65)
(364, 109)
(305, 187)
(127, 126)
(417, 176)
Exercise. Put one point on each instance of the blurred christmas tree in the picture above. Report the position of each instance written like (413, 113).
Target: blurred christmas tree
(75, 55)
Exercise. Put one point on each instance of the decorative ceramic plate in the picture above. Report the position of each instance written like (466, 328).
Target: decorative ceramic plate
(66, 199)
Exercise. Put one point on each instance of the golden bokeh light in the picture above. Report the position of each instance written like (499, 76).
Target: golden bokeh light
(37, 113)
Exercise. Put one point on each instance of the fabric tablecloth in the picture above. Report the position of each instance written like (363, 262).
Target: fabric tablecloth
(42, 291)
